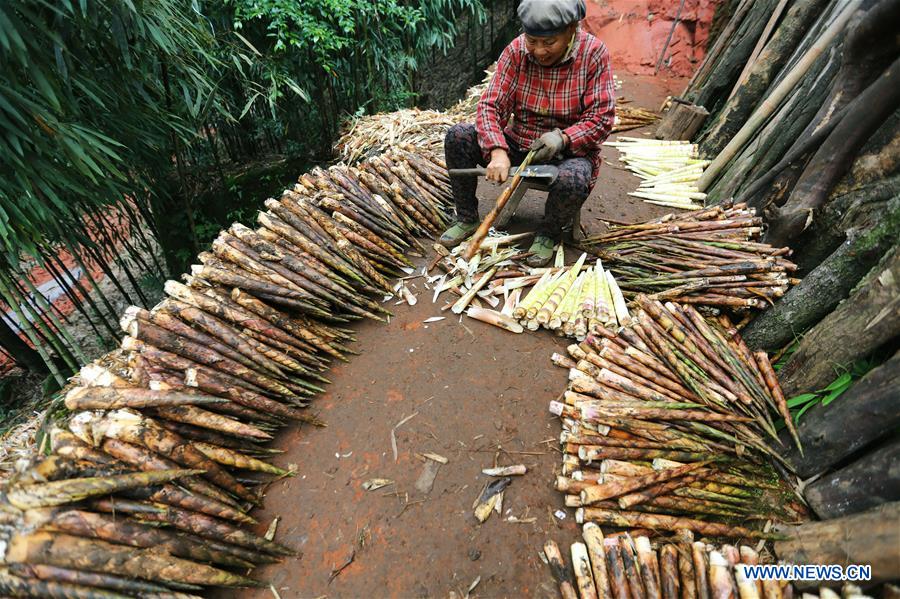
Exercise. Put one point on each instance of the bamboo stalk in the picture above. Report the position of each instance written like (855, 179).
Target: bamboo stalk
(487, 223)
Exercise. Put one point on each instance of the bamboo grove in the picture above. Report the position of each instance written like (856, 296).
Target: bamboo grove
(124, 124)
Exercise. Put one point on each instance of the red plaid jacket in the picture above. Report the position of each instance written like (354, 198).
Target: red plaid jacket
(575, 95)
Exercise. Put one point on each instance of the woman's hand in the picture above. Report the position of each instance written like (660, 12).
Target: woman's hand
(498, 169)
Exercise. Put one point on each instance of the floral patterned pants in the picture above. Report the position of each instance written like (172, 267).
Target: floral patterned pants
(564, 199)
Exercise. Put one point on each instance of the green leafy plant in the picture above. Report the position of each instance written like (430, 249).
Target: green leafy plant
(800, 404)
(126, 125)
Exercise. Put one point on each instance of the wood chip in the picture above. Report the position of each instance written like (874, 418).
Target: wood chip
(436, 457)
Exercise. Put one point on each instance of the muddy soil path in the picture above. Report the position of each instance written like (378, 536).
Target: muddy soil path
(467, 391)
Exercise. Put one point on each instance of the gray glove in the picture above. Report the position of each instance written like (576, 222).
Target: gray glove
(548, 146)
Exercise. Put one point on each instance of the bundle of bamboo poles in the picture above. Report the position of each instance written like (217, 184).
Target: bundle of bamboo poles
(619, 566)
(669, 423)
(669, 171)
(710, 257)
(153, 470)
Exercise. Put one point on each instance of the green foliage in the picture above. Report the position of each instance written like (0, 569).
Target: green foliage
(89, 92)
(151, 110)
(346, 52)
(800, 404)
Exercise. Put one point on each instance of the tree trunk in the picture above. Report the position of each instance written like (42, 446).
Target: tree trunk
(861, 324)
(773, 140)
(681, 122)
(834, 157)
(859, 199)
(863, 414)
(822, 289)
(781, 90)
(798, 153)
(868, 482)
(872, 537)
(866, 53)
(774, 56)
(734, 56)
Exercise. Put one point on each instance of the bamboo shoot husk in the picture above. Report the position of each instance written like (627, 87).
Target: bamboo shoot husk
(721, 583)
(108, 398)
(617, 488)
(649, 565)
(632, 569)
(663, 522)
(495, 318)
(62, 492)
(47, 573)
(124, 532)
(669, 575)
(617, 581)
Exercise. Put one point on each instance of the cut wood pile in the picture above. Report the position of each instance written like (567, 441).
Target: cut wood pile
(711, 257)
(149, 478)
(369, 135)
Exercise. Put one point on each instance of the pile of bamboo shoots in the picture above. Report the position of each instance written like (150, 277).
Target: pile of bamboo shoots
(711, 257)
(669, 423)
(628, 117)
(619, 566)
(571, 301)
(152, 473)
(669, 171)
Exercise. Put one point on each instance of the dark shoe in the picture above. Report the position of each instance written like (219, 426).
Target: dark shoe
(541, 251)
(457, 233)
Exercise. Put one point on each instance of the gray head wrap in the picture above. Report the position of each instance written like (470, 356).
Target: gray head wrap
(549, 17)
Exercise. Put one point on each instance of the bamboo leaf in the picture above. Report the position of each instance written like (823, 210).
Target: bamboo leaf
(842, 381)
(801, 399)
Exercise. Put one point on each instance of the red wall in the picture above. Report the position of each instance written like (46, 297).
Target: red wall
(636, 30)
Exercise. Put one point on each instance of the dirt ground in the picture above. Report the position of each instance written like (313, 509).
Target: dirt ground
(467, 391)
